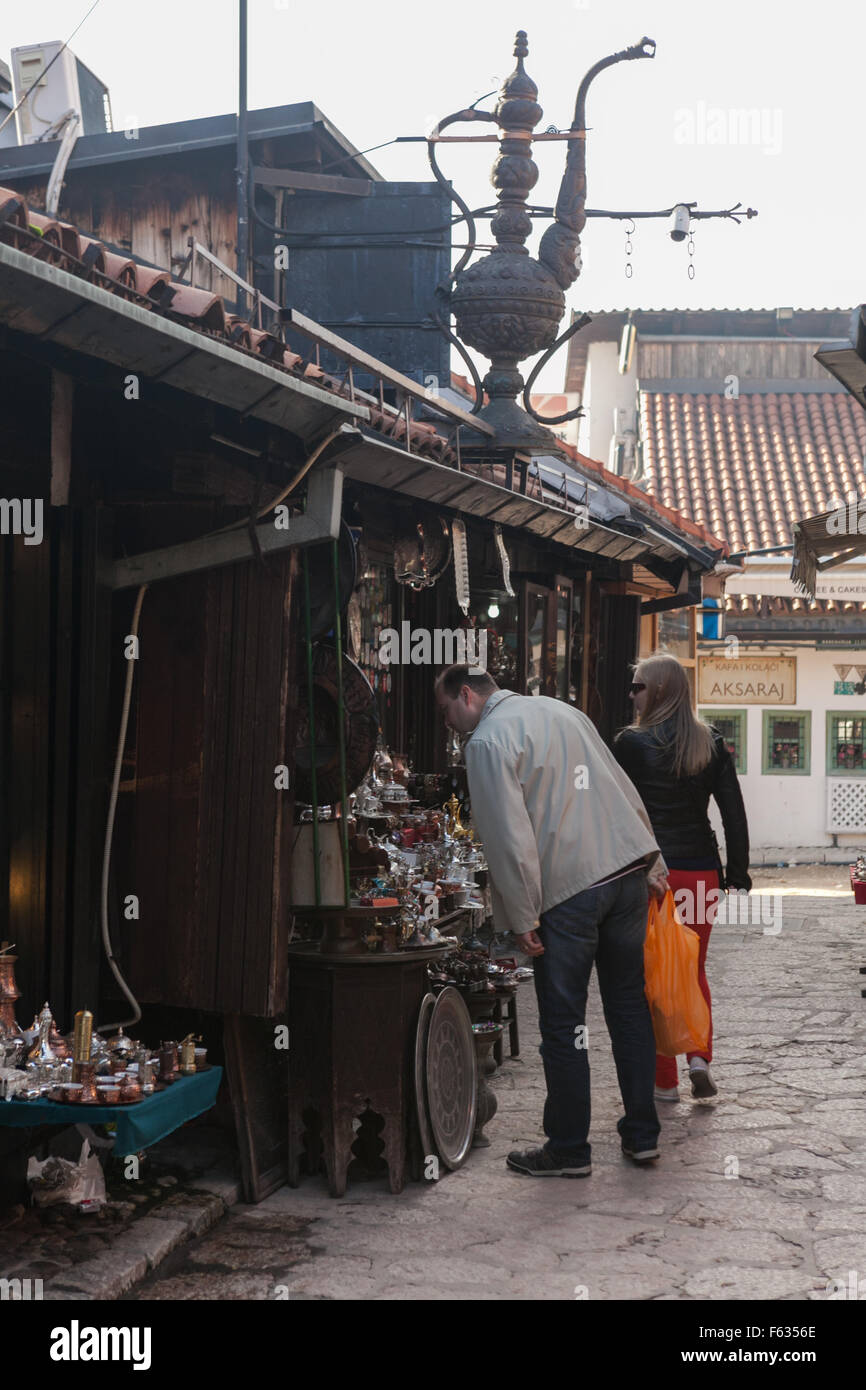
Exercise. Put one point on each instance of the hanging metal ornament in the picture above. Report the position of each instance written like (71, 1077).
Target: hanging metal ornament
(504, 560)
(461, 564)
(691, 253)
(422, 557)
(354, 622)
(629, 231)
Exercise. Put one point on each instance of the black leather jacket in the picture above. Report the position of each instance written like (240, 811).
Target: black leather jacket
(677, 807)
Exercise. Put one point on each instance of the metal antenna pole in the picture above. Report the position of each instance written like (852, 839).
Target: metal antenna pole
(242, 172)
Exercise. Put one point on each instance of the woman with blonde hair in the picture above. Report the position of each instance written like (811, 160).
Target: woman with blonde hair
(677, 762)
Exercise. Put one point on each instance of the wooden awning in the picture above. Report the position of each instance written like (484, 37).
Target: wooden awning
(827, 540)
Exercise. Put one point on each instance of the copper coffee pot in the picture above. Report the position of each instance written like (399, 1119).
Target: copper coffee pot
(8, 990)
(169, 1066)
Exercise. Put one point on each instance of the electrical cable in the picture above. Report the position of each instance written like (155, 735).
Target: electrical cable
(25, 95)
(364, 245)
(385, 231)
(302, 471)
(490, 210)
(358, 154)
(109, 829)
(335, 163)
(121, 743)
(281, 496)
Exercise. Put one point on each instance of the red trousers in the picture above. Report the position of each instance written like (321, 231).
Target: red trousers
(699, 914)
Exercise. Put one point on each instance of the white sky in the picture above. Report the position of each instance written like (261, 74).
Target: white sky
(385, 68)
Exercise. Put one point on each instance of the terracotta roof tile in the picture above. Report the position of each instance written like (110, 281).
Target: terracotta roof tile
(60, 243)
(63, 245)
(774, 605)
(747, 468)
(664, 506)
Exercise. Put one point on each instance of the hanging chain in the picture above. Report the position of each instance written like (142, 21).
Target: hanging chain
(691, 253)
(629, 268)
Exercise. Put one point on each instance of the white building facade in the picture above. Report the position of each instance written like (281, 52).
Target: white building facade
(727, 416)
(793, 712)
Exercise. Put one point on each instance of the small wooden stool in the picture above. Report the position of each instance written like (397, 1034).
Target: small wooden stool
(505, 1011)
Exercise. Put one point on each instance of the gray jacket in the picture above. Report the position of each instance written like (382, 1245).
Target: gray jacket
(553, 807)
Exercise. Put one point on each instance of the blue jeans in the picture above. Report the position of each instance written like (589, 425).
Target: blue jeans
(606, 925)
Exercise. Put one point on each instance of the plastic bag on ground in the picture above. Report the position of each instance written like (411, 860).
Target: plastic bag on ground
(81, 1184)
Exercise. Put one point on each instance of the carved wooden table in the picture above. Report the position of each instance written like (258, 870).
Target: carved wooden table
(352, 1023)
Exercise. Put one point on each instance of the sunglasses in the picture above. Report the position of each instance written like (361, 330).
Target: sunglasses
(636, 687)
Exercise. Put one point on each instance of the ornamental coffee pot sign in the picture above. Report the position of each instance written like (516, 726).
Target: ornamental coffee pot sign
(508, 305)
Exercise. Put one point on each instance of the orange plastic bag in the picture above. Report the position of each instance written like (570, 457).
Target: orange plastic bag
(680, 1014)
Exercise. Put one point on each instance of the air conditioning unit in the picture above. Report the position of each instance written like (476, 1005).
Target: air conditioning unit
(65, 85)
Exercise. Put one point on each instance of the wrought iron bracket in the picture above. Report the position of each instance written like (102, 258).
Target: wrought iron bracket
(542, 361)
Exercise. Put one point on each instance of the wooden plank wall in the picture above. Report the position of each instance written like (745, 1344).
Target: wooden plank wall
(251, 855)
(153, 212)
(211, 833)
(26, 659)
(91, 735)
(151, 209)
(715, 360)
(54, 727)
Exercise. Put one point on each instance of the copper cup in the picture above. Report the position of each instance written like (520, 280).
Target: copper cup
(109, 1094)
(87, 1077)
(130, 1089)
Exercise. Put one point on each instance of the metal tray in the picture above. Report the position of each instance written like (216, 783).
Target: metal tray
(427, 1144)
(451, 1081)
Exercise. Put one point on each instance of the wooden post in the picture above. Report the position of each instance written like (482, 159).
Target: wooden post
(62, 401)
(587, 632)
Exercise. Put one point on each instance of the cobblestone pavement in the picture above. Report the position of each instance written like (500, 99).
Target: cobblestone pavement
(760, 1196)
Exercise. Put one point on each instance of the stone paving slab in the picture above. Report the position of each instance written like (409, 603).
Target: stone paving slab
(773, 855)
(116, 1258)
(759, 1196)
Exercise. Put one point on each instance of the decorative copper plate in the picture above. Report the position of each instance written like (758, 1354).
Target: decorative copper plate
(423, 553)
(426, 1133)
(450, 1068)
(361, 723)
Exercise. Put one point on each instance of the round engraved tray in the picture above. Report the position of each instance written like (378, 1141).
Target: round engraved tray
(450, 1070)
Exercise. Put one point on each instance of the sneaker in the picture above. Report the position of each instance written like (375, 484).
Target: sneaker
(667, 1093)
(640, 1155)
(540, 1163)
(703, 1086)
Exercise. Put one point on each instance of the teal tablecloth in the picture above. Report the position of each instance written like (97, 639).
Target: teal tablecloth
(138, 1126)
